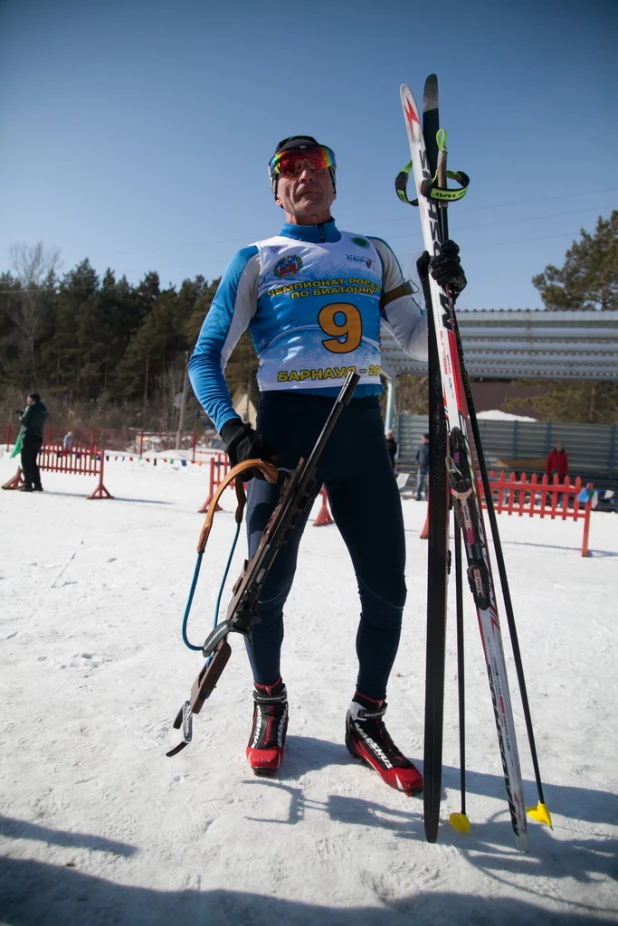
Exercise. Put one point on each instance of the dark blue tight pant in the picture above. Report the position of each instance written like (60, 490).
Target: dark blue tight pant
(364, 499)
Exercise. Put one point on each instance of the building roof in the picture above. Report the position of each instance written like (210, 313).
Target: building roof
(526, 344)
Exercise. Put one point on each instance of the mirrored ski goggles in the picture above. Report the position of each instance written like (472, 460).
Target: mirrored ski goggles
(292, 163)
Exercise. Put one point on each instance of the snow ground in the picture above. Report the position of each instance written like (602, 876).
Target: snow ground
(97, 826)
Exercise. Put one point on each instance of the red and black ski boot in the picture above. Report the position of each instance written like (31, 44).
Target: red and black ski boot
(368, 739)
(270, 723)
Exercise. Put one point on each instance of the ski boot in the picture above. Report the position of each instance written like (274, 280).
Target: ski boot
(368, 739)
(270, 722)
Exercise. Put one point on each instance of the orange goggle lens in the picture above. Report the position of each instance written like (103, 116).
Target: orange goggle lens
(292, 163)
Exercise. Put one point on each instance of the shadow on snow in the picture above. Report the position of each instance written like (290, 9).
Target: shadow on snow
(34, 892)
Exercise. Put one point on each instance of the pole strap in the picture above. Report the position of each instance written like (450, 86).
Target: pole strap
(432, 188)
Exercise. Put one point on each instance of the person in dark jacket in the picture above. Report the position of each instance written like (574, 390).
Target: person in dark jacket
(422, 458)
(391, 443)
(33, 420)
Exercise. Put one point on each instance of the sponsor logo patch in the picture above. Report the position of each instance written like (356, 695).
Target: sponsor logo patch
(360, 259)
(288, 266)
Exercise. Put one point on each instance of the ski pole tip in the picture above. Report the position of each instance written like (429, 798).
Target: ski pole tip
(541, 814)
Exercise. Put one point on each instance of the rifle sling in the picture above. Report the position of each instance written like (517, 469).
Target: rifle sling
(271, 474)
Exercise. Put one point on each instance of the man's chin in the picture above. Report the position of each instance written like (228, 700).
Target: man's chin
(310, 202)
(311, 212)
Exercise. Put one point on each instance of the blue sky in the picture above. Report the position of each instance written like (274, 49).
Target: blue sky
(137, 133)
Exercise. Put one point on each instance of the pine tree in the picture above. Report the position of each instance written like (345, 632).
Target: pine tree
(589, 277)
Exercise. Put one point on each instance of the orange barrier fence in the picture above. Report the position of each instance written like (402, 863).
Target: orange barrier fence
(125, 440)
(537, 497)
(219, 468)
(85, 461)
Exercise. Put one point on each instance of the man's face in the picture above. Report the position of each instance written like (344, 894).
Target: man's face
(29, 400)
(306, 199)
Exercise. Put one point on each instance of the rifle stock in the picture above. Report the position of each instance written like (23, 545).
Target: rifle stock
(295, 495)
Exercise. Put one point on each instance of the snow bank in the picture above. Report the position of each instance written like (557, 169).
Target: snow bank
(497, 415)
(99, 827)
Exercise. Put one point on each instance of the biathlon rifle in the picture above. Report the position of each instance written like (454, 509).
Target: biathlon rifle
(296, 494)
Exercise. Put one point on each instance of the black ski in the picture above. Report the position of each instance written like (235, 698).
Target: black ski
(438, 552)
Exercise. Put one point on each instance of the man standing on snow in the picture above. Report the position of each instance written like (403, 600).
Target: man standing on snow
(313, 298)
(32, 421)
(391, 443)
(422, 474)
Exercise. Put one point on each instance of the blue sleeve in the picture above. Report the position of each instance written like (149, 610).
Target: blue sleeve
(229, 316)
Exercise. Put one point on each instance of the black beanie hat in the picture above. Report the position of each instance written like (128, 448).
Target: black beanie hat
(296, 143)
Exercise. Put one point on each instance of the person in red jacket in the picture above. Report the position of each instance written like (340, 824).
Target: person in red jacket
(558, 463)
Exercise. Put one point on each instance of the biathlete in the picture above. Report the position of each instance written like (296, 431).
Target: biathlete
(314, 298)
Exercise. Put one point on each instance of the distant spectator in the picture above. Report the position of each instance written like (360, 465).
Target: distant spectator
(33, 421)
(391, 443)
(422, 458)
(67, 442)
(557, 463)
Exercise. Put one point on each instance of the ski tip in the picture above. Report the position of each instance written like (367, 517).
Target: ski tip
(541, 814)
(430, 94)
(460, 822)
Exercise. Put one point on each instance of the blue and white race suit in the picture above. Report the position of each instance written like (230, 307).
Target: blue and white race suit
(312, 298)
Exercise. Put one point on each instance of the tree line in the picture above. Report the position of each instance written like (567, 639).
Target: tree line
(111, 350)
(115, 353)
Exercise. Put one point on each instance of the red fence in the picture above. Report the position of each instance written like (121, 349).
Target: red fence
(536, 497)
(130, 440)
(219, 468)
(85, 461)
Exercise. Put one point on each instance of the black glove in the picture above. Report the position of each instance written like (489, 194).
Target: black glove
(243, 443)
(446, 269)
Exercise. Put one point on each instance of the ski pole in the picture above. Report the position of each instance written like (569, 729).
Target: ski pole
(540, 812)
(460, 820)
